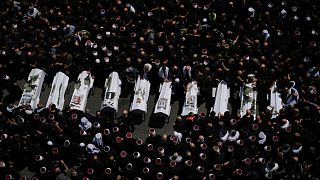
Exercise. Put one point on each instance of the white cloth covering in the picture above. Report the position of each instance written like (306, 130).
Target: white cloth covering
(141, 95)
(97, 140)
(225, 137)
(234, 137)
(263, 137)
(92, 149)
(178, 135)
(221, 98)
(275, 101)
(292, 95)
(33, 97)
(80, 95)
(163, 103)
(58, 89)
(113, 91)
(190, 103)
(85, 124)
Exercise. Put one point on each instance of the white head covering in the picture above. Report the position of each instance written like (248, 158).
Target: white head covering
(149, 66)
(50, 143)
(285, 125)
(297, 150)
(2, 164)
(275, 168)
(97, 140)
(251, 10)
(92, 149)
(235, 137)
(185, 69)
(85, 124)
(178, 135)
(225, 137)
(263, 137)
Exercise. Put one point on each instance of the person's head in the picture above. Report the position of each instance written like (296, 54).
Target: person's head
(125, 112)
(164, 137)
(74, 172)
(178, 118)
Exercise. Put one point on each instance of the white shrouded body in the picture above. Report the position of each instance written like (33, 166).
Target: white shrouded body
(190, 103)
(221, 98)
(58, 89)
(81, 93)
(163, 103)
(113, 91)
(141, 95)
(32, 89)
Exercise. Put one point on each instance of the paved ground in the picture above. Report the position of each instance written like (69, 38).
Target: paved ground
(94, 102)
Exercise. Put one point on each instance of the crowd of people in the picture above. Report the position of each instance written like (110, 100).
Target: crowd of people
(163, 40)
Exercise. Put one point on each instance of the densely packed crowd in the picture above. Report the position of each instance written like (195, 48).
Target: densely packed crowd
(202, 40)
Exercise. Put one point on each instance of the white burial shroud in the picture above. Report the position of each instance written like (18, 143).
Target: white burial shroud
(81, 91)
(163, 103)
(190, 103)
(275, 101)
(113, 91)
(248, 97)
(221, 98)
(141, 95)
(58, 89)
(32, 89)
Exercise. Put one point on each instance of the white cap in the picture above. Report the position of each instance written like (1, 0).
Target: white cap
(308, 18)
(97, 61)
(98, 135)
(50, 143)
(283, 11)
(43, 169)
(2, 164)
(90, 146)
(265, 31)
(4, 136)
(102, 11)
(204, 20)
(82, 144)
(114, 26)
(250, 9)
(177, 80)
(195, 5)
(106, 59)
(103, 47)
(6, 77)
